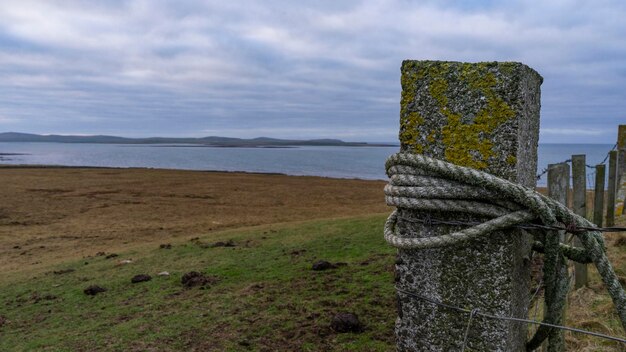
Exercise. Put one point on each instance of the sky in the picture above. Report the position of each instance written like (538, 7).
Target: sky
(293, 69)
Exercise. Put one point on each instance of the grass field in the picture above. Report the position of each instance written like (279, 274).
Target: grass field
(260, 294)
(266, 296)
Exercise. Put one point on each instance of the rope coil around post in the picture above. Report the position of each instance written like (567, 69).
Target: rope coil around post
(418, 182)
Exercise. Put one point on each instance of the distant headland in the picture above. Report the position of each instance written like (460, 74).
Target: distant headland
(211, 141)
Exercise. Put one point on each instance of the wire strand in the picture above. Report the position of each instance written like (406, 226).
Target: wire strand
(498, 317)
(571, 229)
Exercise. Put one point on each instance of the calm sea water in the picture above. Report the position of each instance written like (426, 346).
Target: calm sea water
(342, 162)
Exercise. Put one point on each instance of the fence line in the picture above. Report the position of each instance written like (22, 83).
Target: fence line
(578, 167)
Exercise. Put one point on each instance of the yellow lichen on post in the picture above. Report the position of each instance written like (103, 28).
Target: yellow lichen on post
(409, 132)
(470, 108)
(467, 143)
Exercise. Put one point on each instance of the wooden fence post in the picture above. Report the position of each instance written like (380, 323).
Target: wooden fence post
(621, 162)
(485, 116)
(558, 189)
(598, 198)
(612, 189)
(621, 148)
(579, 204)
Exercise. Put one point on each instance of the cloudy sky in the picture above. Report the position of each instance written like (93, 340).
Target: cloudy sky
(293, 69)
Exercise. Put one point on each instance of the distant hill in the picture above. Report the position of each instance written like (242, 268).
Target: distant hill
(212, 141)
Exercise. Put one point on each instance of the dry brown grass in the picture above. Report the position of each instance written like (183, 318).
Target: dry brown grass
(591, 308)
(48, 215)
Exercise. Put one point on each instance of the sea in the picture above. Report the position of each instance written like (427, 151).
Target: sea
(328, 161)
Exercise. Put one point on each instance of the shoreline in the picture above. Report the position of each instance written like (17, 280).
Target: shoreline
(52, 166)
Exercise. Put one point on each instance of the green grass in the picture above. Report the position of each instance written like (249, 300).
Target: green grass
(267, 297)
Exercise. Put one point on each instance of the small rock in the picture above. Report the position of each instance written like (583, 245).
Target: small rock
(124, 262)
(3, 321)
(112, 255)
(17, 247)
(163, 273)
(346, 322)
(94, 290)
(100, 254)
(323, 265)
(165, 246)
(140, 278)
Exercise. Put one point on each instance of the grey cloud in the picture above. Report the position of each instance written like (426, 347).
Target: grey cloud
(324, 69)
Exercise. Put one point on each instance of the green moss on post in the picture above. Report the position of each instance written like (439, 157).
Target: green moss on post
(485, 116)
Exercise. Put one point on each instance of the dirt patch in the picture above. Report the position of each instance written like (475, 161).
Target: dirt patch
(322, 265)
(346, 322)
(63, 271)
(229, 243)
(94, 290)
(195, 279)
(297, 252)
(140, 278)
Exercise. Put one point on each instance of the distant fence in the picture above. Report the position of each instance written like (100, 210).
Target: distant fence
(602, 206)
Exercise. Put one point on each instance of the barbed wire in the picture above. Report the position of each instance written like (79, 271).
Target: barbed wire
(571, 228)
(545, 170)
(475, 311)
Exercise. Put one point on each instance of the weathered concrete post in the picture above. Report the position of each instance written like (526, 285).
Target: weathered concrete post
(485, 116)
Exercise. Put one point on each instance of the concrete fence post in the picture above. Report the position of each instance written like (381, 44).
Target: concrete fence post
(484, 116)
(579, 205)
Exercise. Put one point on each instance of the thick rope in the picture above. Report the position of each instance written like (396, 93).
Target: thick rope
(418, 182)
